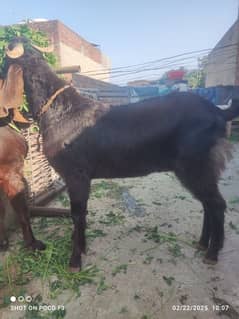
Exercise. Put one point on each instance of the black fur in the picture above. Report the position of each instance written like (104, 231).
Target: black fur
(83, 140)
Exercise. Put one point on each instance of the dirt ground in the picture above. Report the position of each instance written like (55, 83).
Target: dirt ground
(149, 268)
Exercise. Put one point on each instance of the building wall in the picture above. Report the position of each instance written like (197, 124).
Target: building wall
(72, 49)
(76, 57)
(222, 65)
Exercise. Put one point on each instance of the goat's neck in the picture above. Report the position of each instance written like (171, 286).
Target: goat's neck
(69, 114)
(39, 89)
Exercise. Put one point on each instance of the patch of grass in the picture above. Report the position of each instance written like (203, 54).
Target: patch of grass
(22, 266)
(136, 228)
(123, 310)
(182, 197)
(168, 280)
(35, 312)
(100, 189)
(136, 296)
(157, 203)
(5, 301)
(120, 269)
(41, 225)
(112, 219)
(101, 286)
(94, 233)
(234, 201)
(153, 233)
(56, 288)
(64, 200)
(107, 188)
(158, 236)
(175, 250)
(234, 227)
(148, 259)
(234, 138)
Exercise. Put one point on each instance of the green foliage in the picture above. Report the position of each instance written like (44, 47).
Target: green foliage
(35, 37)
(168, 280)
(112, 219)
(120, 269)
(196, 78)
(102, 286)
(22, 266)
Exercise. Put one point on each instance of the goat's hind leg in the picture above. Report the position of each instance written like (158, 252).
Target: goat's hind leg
(201, 180)
(3, 234)
(19, 203)
(206, 232)
(78, 188)
(20, 206)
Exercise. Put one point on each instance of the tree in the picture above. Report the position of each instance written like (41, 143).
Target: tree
(196, 77)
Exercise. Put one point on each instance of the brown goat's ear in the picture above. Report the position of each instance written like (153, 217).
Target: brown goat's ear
(11, 91)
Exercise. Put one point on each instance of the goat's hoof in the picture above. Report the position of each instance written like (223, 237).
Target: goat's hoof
(74, 269)
(37, 245)
(4, 244)
(75, 263)
(209, 261)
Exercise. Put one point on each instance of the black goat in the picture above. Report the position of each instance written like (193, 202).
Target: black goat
(83, 140)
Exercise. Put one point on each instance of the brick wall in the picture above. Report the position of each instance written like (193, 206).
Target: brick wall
(73, 40)
(223, 62)
(71, 48)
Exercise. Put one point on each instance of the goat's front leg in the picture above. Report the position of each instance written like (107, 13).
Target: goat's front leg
(19, 204)
(3, 236)
(78, 188)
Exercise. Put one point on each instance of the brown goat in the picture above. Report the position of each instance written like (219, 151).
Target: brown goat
(13, 149)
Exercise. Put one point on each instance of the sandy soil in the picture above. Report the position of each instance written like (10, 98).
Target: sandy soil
(146, 279)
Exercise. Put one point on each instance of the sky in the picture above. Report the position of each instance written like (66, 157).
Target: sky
(133, 32)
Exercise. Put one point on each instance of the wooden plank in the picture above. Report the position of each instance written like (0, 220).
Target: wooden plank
(42, 211)
(47, 196)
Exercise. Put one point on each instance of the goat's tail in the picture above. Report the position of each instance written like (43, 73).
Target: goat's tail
(231, 112)
(220, 153)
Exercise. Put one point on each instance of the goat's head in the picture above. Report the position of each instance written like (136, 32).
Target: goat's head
(20, 50)
(35, 69)
(12, 85)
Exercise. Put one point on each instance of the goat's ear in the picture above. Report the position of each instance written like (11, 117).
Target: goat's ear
(11, 91)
